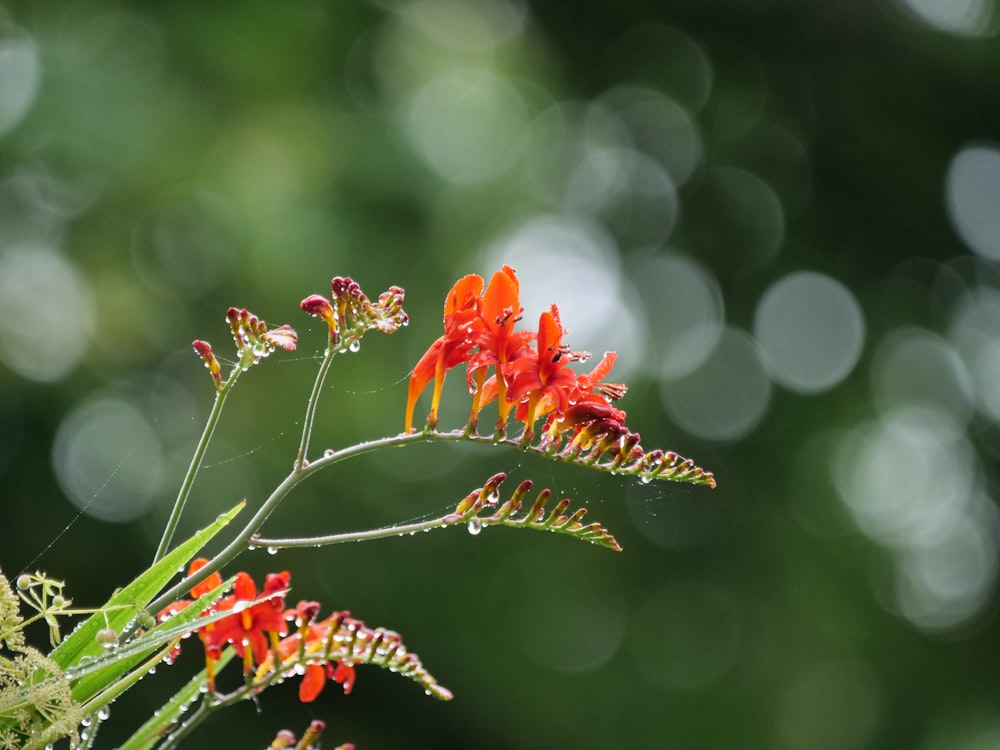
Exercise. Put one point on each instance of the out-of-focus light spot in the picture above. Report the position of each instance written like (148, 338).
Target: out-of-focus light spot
(974, 18)
(919, 371)
(574, 263)
(905, 480)
(575, 626)
(975, 332)
(811, 330)
(726, 396)
(467, 125)
(945, 583)
(108, 460)
(745, 215)
(685, 310)
(474, 26)
(188, 244)
(562, 137)
(909, 480)
(20, 74)
(969, 727)
(831, 706)
(666, 58)
(46, 313)
(686, 636)
(658, 126)
(972, 194)
(630, 193)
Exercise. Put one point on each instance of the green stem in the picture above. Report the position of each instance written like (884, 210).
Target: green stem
(353, 536)
(310, 415)
(195, 465)
(242, 540)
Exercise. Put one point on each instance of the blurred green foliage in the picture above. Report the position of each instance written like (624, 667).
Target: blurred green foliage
(660, 167)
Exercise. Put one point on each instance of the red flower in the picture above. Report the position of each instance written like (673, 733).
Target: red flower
(497, 341)
(543, 382)
(314, 680)
(255, 625)
(462, 321)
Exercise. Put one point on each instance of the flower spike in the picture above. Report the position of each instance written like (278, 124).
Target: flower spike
(351, 314)
(532, 378)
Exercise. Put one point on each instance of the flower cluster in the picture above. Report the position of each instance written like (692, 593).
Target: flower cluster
(253, 339)
(531, 375)
(255, 627)
(351, 313)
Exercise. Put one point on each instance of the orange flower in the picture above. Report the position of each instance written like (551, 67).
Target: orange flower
(543, 382)
(462, 322)
(497, 342)
(249, 628)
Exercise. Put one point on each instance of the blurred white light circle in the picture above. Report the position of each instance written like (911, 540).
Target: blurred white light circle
(941, 585)
(629, 192)
(108, 460)
(685, 310)
(914, 369)
(476, 26)
(574, 263)
(46, 313)
(972, 195)
(974, 330)
(466, 125)
(559, 140)
(975, 18)
(20, 75)
(659, 127)
(906, 479)
(811, 330)
(726, 396)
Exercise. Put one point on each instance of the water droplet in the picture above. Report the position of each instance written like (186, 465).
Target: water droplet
(103, 713)
(475, 526)
(329, 453)
(355, 345)
(493, 498)
(272, 550)
(645, 479)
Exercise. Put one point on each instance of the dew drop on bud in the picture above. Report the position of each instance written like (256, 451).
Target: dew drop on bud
(475, 526)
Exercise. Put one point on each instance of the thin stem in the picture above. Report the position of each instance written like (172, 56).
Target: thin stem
(353, 536)
(195, 465)
(310, 415)
(242, 540)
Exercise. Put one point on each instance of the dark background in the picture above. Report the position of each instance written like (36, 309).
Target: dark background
(785, 216)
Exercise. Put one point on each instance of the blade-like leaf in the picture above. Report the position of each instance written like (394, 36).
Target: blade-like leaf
(170, 713)
(127, 603)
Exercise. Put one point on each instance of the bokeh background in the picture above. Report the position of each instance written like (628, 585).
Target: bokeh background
(784, 216)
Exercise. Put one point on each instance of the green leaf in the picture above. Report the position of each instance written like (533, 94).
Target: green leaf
(127, 603)
(92, 676)
(170, 713)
